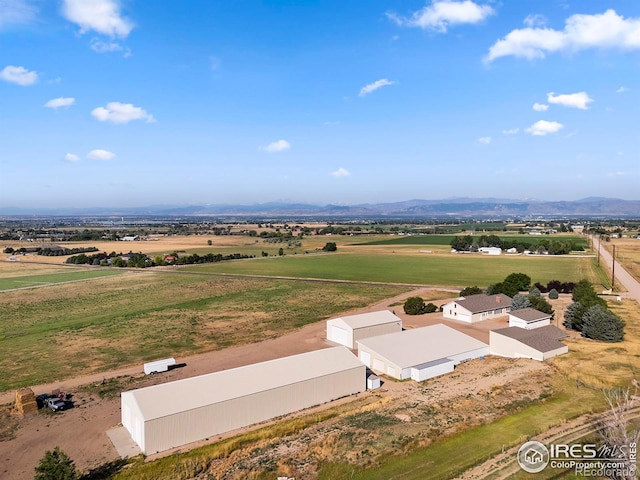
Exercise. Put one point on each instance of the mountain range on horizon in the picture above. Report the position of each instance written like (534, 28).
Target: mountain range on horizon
(415, 208)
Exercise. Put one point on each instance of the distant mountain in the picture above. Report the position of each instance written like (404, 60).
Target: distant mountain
(452, 207)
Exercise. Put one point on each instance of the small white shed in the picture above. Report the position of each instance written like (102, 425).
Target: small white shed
(348, 330)
(529, 318)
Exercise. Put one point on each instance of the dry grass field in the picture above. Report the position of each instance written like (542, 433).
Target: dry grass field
(604, 365)
(627, 253)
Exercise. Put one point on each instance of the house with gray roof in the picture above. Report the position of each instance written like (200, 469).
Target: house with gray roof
(537, 343)
(529, 318)
(476, 308)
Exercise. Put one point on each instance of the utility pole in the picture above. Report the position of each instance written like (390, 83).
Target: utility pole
(613, 268)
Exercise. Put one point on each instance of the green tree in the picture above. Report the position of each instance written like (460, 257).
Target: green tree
(519, 302)
(465, 292)
(599, 323)
(330, 247)
(430, 308)
(56, 465)
(414, 306)
(209, 242)
(521, 281)
(541, 305)
(553, 294)
(281, 251)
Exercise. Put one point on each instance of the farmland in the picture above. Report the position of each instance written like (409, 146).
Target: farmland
(410, 268)
(67, 330)
(135, 316)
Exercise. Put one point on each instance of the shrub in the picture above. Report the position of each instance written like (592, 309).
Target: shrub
(598, 323)
(465, 292)
(56, 465)
(553, 294)
(414, 306)
(519, 302)
(430, 308)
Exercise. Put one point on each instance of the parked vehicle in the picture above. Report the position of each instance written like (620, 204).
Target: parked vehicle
(55, 404)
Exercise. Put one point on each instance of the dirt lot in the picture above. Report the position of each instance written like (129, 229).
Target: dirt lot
(81, 431)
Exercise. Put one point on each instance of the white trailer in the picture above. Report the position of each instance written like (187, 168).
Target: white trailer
(159, 365)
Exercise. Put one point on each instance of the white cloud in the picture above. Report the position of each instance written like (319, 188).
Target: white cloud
(442, 13)
(116, 112)
(575, 100)
(511, 131)
(622, 90)
(484, 140)
(277, 146)
(100, 154)
(16, 12)
(60, 102)
(341, 172)
(544, 127)
(71, 157)
(605, 30)
(540, 107)
(18, 75)
(101, 16)
(536, 20)
(367, 89)
(107, 47)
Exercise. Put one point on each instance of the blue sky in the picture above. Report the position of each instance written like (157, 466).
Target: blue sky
(133, 103)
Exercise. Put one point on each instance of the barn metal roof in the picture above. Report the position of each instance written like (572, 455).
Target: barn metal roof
(370, 319)
(188, 394)
(421, 345)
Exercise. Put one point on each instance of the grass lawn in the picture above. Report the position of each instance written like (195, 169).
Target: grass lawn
(453, 455)
(53, 278)
(446, 270)
(58, 332)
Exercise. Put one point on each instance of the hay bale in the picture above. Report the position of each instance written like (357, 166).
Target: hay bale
(26, 401)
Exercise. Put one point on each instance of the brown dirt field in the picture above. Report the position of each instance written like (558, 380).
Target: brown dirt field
(80, 432)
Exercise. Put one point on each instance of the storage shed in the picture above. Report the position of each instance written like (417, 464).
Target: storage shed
(539, 343)
(348, 330)
(529, 318)
(173, 414)
(420, 353)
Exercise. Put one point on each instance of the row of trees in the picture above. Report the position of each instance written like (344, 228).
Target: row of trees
(590, 315)
(140, 260)
(468, 243)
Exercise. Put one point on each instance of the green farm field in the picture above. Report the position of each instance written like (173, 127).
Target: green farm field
(69, 330)
(54, 278)
(445, 270)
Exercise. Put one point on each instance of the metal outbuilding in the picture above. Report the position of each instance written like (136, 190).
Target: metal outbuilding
(348, 330)
(420, 353)
(537, 343)
(173, 414)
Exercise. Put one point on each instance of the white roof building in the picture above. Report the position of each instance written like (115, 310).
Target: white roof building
(419, 353)
(348, 330)
(173, 414)
(528, 318)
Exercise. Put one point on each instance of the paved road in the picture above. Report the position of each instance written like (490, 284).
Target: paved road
(621, 275)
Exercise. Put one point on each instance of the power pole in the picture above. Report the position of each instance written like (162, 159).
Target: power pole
(613, 268)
